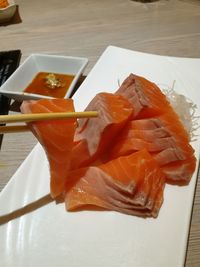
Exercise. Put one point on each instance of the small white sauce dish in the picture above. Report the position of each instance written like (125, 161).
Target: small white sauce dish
(7, 12)
(16, 84)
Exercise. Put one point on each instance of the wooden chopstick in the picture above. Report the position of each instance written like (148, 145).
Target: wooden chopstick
(46, 116)
(14, 129)
(39, 117)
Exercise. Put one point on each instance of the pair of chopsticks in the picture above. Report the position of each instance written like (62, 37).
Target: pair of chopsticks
(39, 117)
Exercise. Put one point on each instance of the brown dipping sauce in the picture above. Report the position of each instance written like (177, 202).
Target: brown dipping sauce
(50, 84)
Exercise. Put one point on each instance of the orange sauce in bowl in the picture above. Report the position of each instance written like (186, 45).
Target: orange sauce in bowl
(50, 84)
(3, 3)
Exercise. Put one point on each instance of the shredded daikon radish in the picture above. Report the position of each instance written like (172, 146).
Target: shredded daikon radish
(185, 109)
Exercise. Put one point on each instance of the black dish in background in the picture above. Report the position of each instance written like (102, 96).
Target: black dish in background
(9, 61)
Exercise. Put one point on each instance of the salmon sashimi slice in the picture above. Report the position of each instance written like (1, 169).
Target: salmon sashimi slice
(155, 138)
(177, 173)
(157, 128)
(144, 95)
(132, 91)
(94, 135)
(146, 187)
(167, 147)
(56, 137)
(132, 184)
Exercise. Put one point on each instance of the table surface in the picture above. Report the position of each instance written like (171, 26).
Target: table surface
(86, 28)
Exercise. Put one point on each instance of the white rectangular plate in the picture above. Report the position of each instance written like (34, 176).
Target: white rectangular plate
(47, 235)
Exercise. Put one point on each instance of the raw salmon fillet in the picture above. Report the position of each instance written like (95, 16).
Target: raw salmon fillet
(131, 184)
(94, 135)
(156, 128)
(56, 137)
(144, 95)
